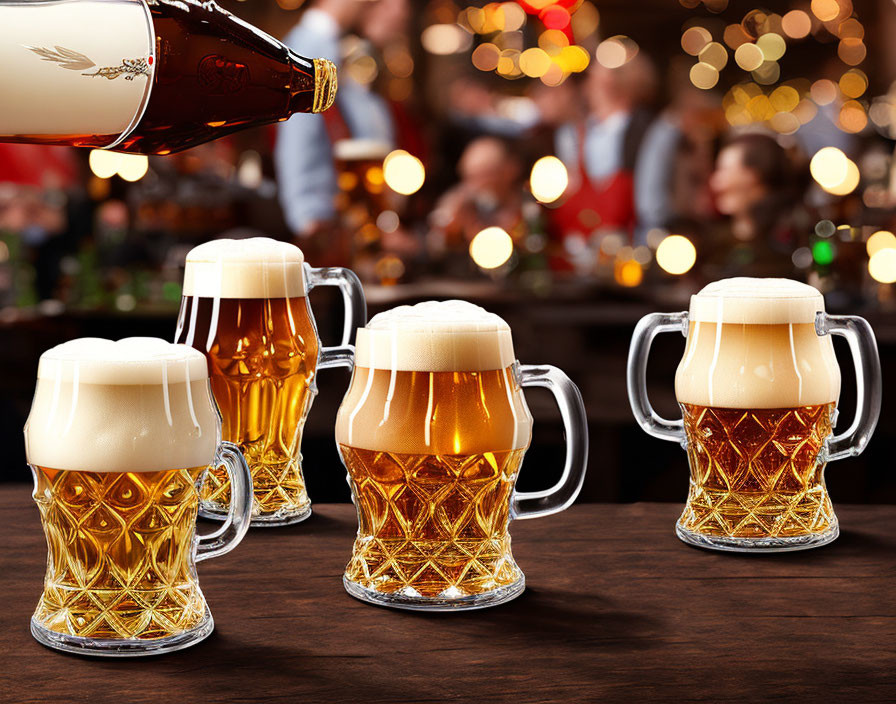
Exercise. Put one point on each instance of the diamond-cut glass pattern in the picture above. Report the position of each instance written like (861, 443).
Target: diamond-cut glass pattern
(120, 561)
(262, 365)
(757, 473)
(432, 525)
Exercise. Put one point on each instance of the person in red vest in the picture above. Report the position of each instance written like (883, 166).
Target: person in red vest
(600, 150)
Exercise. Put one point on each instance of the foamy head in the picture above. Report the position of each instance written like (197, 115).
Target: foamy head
(756, 301)
(137, 405)
(435, 336)
(257, 267)
(752, 344)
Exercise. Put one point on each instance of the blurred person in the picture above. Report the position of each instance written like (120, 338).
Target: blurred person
(41, 217)
(560, 109)
(759, 187)
(490, 193)
(675, 160)
(303, 153)
(475, 106)
(600, 150)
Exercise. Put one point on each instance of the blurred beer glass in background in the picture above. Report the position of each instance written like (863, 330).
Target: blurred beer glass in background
(245, 307)
(433, 431)
(758, 388)
(119, 438)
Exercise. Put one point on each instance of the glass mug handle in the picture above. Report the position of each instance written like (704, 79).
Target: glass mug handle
(860, 337)
(355, 311)
(534, 504)
(636, 376)
(228, 536)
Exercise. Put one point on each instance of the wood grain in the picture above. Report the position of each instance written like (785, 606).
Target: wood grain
(616, 609)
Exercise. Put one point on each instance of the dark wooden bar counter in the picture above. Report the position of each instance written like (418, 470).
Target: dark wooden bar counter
(616, 609)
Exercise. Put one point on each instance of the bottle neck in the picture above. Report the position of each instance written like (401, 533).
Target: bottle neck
(312, 84)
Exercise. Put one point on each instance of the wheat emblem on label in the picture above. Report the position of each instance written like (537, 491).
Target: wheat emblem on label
(76, 61)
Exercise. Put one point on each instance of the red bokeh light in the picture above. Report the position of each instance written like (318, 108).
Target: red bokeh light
(534, 9)
(554, 17)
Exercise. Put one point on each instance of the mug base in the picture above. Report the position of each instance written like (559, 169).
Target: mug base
(758, 545)
(271, 520)
(122, 648)
(411, 602)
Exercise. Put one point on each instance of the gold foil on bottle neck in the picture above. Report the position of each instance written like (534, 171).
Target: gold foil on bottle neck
(325, 85)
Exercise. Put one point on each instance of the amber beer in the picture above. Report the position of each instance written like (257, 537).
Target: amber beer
(433, 431)
(119, 437)
(756, 445)
(147, 76)
(97, 585)
(757, 473)
(244, 307)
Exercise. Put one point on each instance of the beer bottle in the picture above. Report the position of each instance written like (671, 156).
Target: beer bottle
(145, 76)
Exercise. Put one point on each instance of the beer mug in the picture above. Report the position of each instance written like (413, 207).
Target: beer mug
(432, 431)
(758, 388)
(245, 307)
(119, 437)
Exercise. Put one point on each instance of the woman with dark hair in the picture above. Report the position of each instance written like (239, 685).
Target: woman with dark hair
(757, 184)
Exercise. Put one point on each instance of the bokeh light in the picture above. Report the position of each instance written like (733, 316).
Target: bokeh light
(106, 164)
(485, 57)
(851, 51)
(694, 39)
(548, 179)
(796, 24)
(628, 273)
(585, 21)
(829, 166)
(784, 98)
(748, 56)
(754, 22)
(103, 164)
(882, 266)
(769, 72)
(676, 254)
(849, 183)
(853, 117)
(491, 248)
(715, 55)
(403, 172)
(704, 76)
(445, 39)
(853, 83)
(514, 16)
(615, 51)
(825, 10)
(823, 252)
(823, 91)
(735, 35)
(535, 62)
(772, 46)
(882, 239)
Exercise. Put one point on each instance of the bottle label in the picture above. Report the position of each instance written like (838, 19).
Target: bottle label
(75, 69)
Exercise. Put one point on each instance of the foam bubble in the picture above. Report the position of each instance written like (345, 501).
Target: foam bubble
(137, 405)
(435, 336)
(756, 301)
(256, 267)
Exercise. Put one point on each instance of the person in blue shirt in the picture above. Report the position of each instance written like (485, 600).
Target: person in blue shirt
(303, 155)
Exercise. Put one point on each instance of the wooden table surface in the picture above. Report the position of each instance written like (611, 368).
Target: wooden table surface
(616, 609)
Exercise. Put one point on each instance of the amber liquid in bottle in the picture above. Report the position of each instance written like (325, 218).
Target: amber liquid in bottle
(199, 74)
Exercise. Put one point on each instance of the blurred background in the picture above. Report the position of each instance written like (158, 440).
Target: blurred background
(568, 164)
